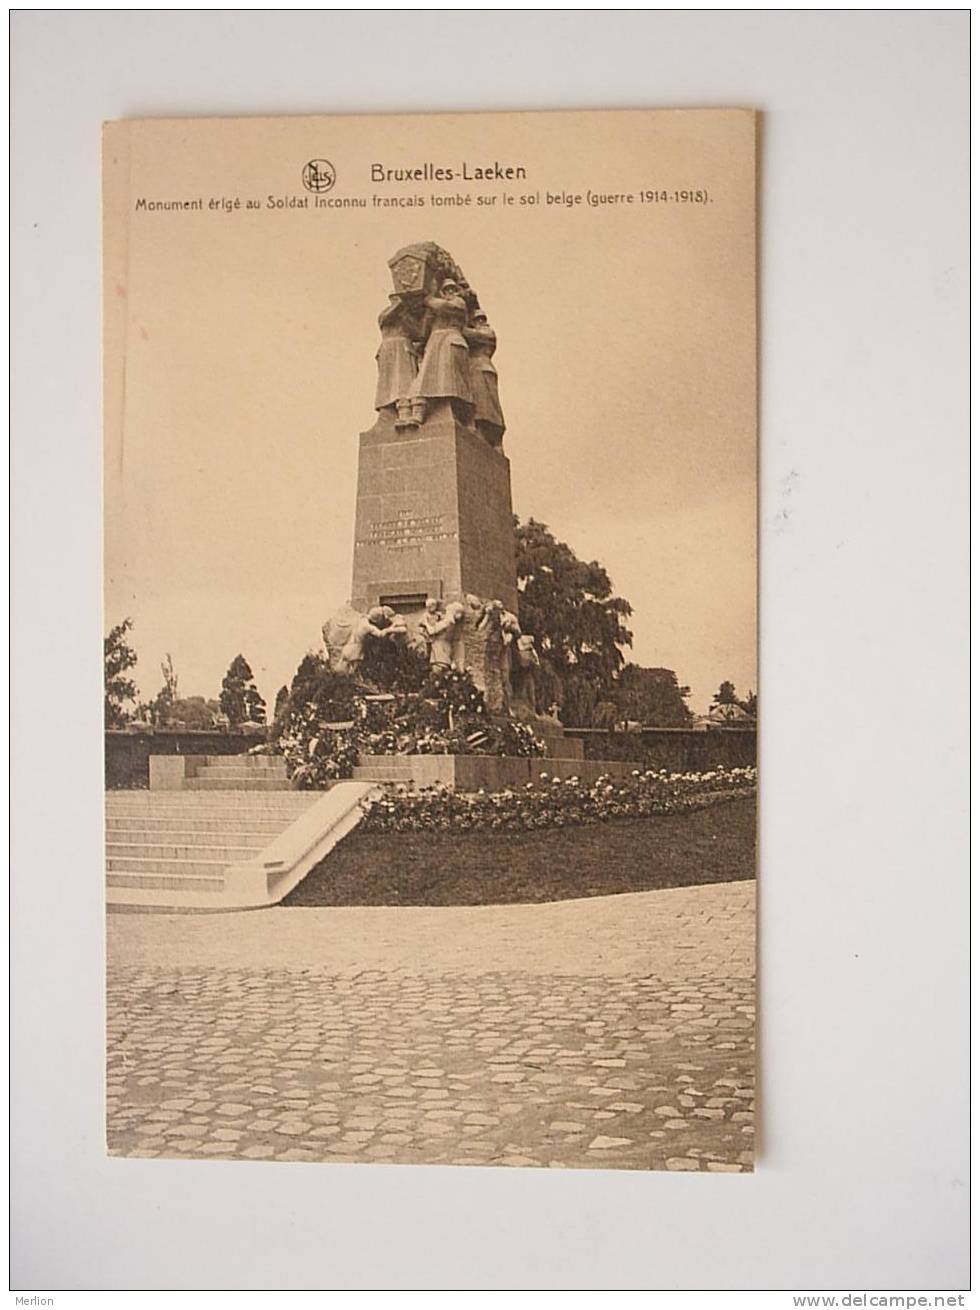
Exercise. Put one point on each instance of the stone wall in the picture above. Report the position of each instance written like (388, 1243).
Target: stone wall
(682, 750)
(127, 754)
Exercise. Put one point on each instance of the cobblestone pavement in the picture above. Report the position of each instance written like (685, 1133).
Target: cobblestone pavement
(506, 1035)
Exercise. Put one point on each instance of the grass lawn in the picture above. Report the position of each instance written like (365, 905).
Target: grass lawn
(714, 844)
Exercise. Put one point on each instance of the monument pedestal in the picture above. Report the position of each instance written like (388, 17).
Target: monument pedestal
(434, 516)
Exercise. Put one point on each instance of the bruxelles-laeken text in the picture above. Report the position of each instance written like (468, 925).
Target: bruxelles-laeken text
(465, 172)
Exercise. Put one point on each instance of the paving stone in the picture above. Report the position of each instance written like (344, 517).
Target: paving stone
(288, 1056)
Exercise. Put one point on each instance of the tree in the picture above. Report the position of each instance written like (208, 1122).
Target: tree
(567, 605)
(727, 695)
(119, 659)
(193, 712)
(282, 703)
(652, 697)
(165, 699)
(240, 698)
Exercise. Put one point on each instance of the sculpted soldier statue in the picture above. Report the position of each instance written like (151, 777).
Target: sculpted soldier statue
(496, 682)
(444, 373)
(487, 414)
(398, 356)
(432, 616)
(444, 632)
(352, 630)
(523, 681)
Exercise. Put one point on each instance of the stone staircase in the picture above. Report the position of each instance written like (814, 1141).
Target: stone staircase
(239, 773)
(183, 841)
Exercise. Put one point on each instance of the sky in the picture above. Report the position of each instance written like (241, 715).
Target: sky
(240, 369)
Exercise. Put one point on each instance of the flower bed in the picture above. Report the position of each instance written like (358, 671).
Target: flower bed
(552, 803)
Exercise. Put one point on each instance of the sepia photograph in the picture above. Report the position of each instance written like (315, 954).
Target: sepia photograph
(489, 601)
(431, 697)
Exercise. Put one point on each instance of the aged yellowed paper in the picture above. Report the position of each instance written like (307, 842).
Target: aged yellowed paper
(430, 548)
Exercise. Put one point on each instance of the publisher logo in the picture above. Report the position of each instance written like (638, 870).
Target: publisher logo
(319, 175)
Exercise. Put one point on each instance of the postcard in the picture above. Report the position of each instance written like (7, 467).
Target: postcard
(430, 638)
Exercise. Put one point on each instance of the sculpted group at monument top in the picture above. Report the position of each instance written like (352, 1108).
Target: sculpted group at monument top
(436, 344)
(436, 351)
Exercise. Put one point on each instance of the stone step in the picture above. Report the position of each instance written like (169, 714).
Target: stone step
(235, 779)
(275, 762)
(121, 826)
(135, 864)
(230, 800)
(261, 815)
(206, 882)
(232, 769)
(119, 851)
(128, 878)
(205, 783)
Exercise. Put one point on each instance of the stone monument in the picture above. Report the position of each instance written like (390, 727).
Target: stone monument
(434, 528)
(434, 517)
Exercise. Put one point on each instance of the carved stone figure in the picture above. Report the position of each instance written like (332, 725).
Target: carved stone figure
(345, 634)
(487, 414)
(397, 629)
(488, 659)
(336, 633)
(398, 356)
(422, 268)
(445, 649)
(444, 373)
(524, 666)
(433, 615)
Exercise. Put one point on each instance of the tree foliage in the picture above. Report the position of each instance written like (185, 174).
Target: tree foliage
(652, 697)
(240, 699)
(727, 695)
(119, 689)
(567, 605)
(162, 704)
(193, 713)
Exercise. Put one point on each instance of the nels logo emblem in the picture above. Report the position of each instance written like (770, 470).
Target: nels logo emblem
(319, 175)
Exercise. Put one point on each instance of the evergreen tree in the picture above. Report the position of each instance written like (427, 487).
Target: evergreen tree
(119, 659)
(282, 702)
(240, 699)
